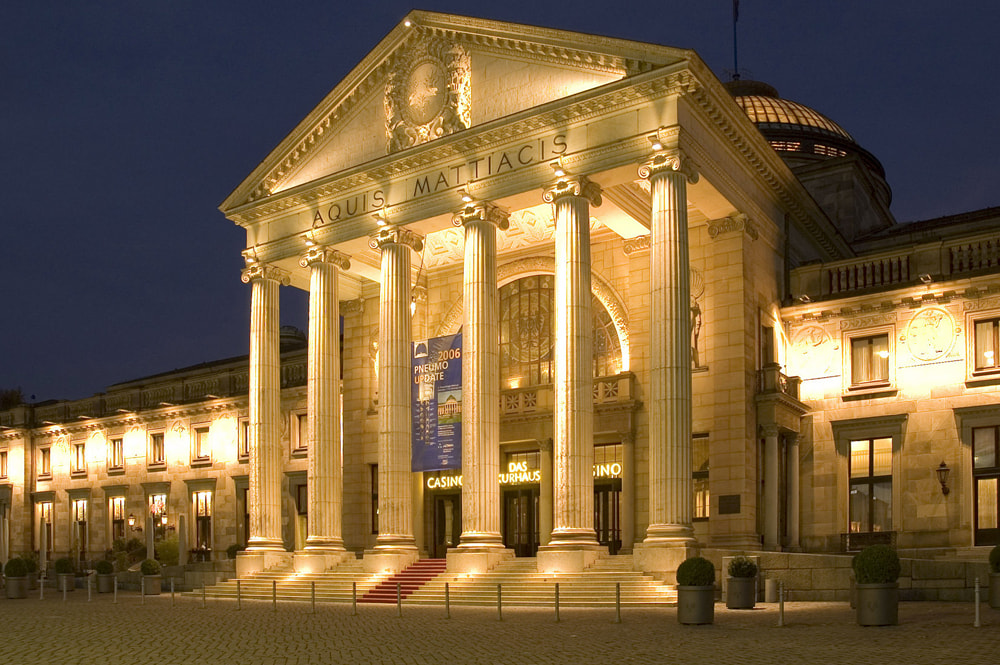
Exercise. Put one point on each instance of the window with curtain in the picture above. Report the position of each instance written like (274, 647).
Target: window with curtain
(871, 485)
(870, 360)
(987, 340)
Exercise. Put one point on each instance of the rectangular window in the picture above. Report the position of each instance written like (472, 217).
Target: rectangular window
(985, 479)
(987, 344)
(373, 474)
(116, 508)
(301, 442)
(3, 463)
(699, 475)
(45, 515)
(243, 446)
(116, 454)
(45, 462)
(79, 459)
(203, 520)
(157, 450)
(158, 511)
(870, 470)
(870, 360)
(201, 451)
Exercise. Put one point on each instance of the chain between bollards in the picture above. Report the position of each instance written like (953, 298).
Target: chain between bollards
(499, 603)
(399, 599)
(618, 602)
(976, 623)
(557, 602)
(447, 602)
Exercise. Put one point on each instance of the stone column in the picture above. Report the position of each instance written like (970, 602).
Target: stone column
(395, 546)
(324, 489)
(792, 461)
(480, 387)
(670, 511)
(772, 451)
(573, 544)
(265, 409)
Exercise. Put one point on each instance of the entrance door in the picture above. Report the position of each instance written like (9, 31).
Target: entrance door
(447, 523)
(520, 520)
(607, 514)
(985, 479)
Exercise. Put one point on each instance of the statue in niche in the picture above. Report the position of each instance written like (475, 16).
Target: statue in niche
(697, 292)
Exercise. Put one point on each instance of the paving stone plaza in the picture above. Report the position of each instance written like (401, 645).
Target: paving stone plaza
(181, 631)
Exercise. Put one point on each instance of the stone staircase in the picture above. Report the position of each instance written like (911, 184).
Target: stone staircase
(522, 585)
(409, 581)
(333, 586)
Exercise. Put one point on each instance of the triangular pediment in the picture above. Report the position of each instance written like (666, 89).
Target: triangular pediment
(435, 75)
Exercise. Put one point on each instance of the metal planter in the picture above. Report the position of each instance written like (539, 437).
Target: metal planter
(741, 593)
(17, 587)
(878, 604)
(695, 604)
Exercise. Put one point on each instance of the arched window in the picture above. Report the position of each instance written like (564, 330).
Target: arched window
(527, 331)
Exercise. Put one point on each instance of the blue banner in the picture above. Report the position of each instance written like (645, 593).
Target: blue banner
(437, 404)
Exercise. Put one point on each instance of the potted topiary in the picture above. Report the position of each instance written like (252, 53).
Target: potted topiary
(16, 572)
(741, 586)
(876, 569)
(150, 569)
(105, 576)
(64, 574)
(31, 563)
(696, 591)
(995, 578)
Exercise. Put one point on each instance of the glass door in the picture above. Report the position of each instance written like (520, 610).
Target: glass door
(607, 514)
(985, 478)
(520, 520)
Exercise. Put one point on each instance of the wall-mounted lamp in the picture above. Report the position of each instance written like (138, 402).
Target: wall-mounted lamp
(132, 523)
(925, 278)
(654, 142)
(466, 197)
(557, 167)
(942, 476)
(804, 298)
(380, 218)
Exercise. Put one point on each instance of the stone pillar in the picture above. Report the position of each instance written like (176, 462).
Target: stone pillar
(265, 414)
(395, 546)
(670, 531)
(772, 494)
(481, 545)
(792, 462)
(182, 539)
(573, 545)
(545, 492)
(324, 489)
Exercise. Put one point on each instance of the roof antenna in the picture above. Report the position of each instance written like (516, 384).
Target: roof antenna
(736, 16)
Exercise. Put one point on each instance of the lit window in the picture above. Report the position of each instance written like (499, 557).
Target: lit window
(301, 442)
(200, 448)
(243, 446)
(203, 520)
(870, 360)
(3, 463)
(45, 462)
(117, 510)
(45, 516)
(987, 345)
(79, 458)
(699, 475)
(116, 454)
(157, 450)
(158, 511)
(870, 467)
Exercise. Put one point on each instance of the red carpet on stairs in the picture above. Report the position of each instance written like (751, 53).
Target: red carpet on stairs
(409, 580)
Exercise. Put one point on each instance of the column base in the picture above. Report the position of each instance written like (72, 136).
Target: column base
(476, 560)
(389, 560)
(250, 562)
(316, 561)
(661, 560)
(565, 558)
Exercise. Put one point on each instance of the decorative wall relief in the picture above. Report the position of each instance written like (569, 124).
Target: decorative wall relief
(428, 94)
(813, 352)
(930, 334)
(697, 285)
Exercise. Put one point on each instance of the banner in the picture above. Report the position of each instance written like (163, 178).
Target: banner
(436, 400)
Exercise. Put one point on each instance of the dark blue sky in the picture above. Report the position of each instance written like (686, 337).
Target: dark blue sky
(123, 125)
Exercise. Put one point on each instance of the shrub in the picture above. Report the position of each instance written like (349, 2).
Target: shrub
(150, 567)
(16, 568)
(30, 562)
(64, 566)
(134, 545)
(995, 559)
(696, 571)
(104, 568)
(168, 552)
(233, 549)
(118, 545)
(877, 564)
(742, 566)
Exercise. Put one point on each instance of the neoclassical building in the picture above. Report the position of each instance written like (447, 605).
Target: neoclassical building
(569, 296)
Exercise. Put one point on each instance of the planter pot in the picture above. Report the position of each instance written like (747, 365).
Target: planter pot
(878, 604)
(741, 593)
(17, 587)
(695, 604)
(105, 583)
(65, 581)
(32, 580)
(151, 585)
(995, 591)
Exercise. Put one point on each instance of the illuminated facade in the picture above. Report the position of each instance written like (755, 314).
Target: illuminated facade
(688, 319)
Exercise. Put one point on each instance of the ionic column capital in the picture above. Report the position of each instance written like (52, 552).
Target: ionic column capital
(322, 254)
(665, 163)
(256, 271)
(481, 211)
(574, 185)
(396, 235)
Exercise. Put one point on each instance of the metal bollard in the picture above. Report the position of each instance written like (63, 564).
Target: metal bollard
(90, 583)
(354, 598)
(313, 596)
(171, 592)
(557, 602)
(204, 593)
(781, 603)
(142, 590)
(63, 580)
(115, 597)
(499, 603)
(41, 587)
(976, 623)
(447, 602)
(239, 599)
(274, 595)
(399, 599)
(618, 602)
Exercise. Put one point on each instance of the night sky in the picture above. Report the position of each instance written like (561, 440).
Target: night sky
(123, 126)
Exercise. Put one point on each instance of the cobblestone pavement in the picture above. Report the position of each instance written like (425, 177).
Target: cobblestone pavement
(53, 632)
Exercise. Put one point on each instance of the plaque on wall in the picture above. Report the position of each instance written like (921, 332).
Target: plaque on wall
(729, 504)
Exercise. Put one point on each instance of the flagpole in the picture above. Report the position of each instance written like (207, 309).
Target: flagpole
(736, 16)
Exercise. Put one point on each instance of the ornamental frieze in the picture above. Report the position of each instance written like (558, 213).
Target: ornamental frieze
(981, 304)
(735, 223)
(856, 323)
(635, 245)
(428, 94)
